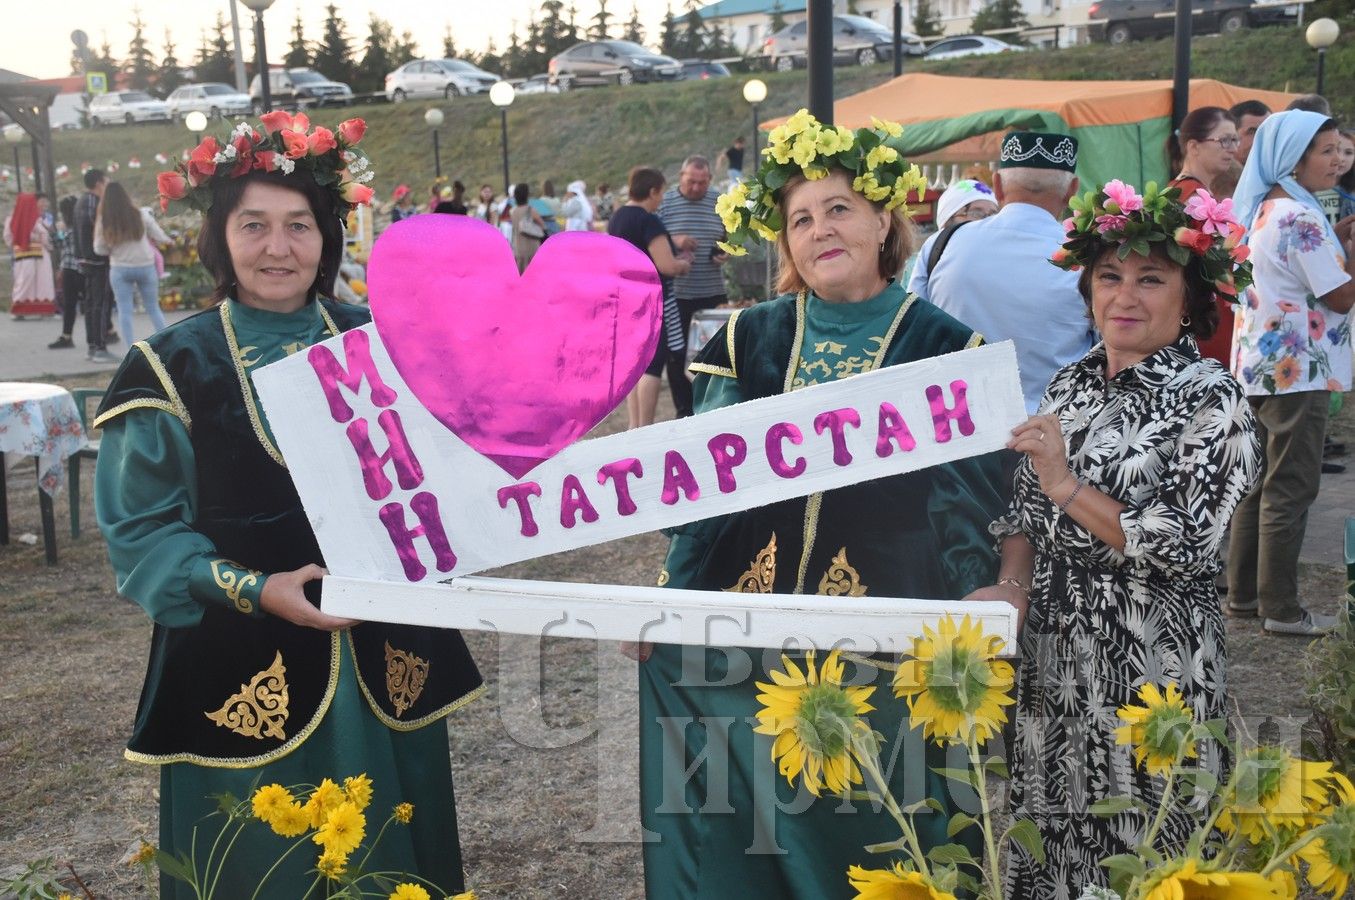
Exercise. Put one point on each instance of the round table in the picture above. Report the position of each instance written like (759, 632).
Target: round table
(39, 421)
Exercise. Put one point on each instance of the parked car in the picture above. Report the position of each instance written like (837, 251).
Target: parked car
(437, 78)
(537, 84)
(856, 39)
(610, 62)
(126, 107)
(702, 69)
(1120, 21)
(299, 87)
(968, 45)
(212, 99)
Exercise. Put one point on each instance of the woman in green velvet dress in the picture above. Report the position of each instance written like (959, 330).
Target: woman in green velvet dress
(249, 683)
(723, 822)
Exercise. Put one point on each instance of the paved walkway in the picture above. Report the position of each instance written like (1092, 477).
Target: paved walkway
(24, 357)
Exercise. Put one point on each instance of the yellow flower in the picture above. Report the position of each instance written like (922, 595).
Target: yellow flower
(408, 892)
(954, 684)
(358, 789)
(343, 829)
(291, 821)
(144, 854)
(896, 883)
(1190, 879)
(761, 230)
(881, 155)
(731, 249)
(1159, 731)
(403, 812)
(805, 149)
(331, 864)
(778, 150)
(1272, 785)
(835, 140)
(801, 121)
(464, 895)
(893, 129)
(729, 206)
(270, 800)
(323, 799)
(900, 195)
(1331, 858)
(815, 720)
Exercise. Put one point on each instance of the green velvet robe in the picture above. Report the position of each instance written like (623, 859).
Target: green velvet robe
(735, 828)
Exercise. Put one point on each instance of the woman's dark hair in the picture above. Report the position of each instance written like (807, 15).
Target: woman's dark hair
(67, 208)
(520, 192)
(1194, 127)
(1347, 182)
(1325, 128)
(1200, 305)
(119, 219)
(458, 191)
(227, 193)
(548, 188)
(643, 181)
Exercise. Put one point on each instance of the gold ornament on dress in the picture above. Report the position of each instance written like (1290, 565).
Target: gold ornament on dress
(841, 579)
(259, 709)
(234, 578)
(405, 677)
(760, 575)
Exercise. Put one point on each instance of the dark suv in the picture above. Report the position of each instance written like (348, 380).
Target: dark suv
(1120, 21)
(610, 62)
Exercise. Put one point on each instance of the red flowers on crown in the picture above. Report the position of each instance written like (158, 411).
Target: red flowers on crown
(287, 144)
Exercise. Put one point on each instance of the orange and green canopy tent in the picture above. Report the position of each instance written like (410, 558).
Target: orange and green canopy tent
(1121, 126)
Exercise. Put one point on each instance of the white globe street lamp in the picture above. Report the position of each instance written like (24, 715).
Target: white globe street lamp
(502, 95)
(196, 122)
(434, 119)
(1321, 34)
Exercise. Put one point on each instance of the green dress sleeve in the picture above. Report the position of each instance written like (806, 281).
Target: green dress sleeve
(145, 498)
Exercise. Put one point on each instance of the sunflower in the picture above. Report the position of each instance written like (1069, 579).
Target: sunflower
(815, 720)
(1272, 785)
(894, 883)
(358, 789)
(1331, 858)
(954, 684)
(409, 892)
(269, 801)
(1190, 879)
(1159, 731)
(343, 829)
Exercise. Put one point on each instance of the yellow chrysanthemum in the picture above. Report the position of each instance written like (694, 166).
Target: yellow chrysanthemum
(1331, 858)
(731, 249)
(358, 789)
(343, 829)
(409, 892)
(881, 155)
(403, 812)
(270, 800)
(1190, 879)
(293, 820)
(144, 854)
(893, 129)
(1159, 731)
(1272, 785)
(332, 865)
(815, 720)
(895, 883)
(323, 799)
(954, 683)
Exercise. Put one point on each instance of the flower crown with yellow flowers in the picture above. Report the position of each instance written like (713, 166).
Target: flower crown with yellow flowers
(804, 146)
(288, 145)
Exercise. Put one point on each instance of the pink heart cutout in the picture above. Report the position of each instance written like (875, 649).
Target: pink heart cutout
(518, 366)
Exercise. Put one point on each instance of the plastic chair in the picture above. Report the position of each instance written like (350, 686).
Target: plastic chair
(82, 397)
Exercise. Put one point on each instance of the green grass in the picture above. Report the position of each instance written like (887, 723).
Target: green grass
(597, 134)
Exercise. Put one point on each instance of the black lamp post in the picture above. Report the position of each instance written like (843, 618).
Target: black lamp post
(501, 95)
(1321, 34)
(261, 53)
(755, 91)
(433, 119)
(898, 38)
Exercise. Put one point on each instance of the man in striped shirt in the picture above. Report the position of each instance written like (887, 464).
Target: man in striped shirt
(688, 212)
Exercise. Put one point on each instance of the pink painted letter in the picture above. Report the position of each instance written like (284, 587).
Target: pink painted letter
(837, 421)
(677, 474)
(776, 456)
(407, 469)
(892, 427)
(521, 494)
(943, 416)
(728, 451)
(425, 507)
(357, 352)
(574, 501)
(617, 472)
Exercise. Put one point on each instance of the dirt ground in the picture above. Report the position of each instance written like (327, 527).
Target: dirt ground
(545, 763)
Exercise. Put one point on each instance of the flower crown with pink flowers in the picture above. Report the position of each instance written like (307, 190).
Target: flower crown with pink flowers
(1203, 230)
(287, 144)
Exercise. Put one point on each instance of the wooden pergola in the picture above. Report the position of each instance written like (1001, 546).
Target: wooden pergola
(28, 105)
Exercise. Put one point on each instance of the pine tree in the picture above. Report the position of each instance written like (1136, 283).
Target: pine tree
(598, 31)
(448, 45)
(555, 37)
(406, 49)
(490, 60)
(634, 31)
(1001, 14)
(533, 59)
(572, 33)
(140, 66)
(169, 77)
(779, 19)
(926, 19)
(215, 61)
(693, 38)
(298, 51)
(334, 53)
(378, 53)
(668, 37)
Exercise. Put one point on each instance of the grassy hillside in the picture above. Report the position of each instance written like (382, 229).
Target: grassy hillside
(598, 134)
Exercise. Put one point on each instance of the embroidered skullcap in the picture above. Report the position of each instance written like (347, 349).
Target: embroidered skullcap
(1039, 150)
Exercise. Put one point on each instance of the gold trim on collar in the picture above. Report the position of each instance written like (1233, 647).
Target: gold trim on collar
(708, 369)
(812, 508)
(729, 341)
(253, 762)
(166, 383)
(246, 390)
(888, 339)
(975, 340)
(413, 724)
(144, 403)
(793, 366)
(324, 314)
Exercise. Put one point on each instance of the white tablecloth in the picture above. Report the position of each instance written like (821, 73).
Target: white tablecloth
(40, 420)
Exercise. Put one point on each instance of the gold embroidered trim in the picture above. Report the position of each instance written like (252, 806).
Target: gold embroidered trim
(812, 508)
(663, 577)
(252, 762)
(893, 330)
(412, 724)
(729, 341)
(975, 340)
(761, 573)
(259, 709)
(841, 579)
(146, 403)
(406, 675)
(708, 369)
(793, 367)
(329, 323)
(870, 661)
(232, 582)
(245, 389)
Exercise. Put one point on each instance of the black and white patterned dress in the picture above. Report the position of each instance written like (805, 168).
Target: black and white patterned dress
(1173, 439)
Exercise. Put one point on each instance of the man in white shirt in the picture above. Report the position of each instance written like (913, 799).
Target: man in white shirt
(994, 275)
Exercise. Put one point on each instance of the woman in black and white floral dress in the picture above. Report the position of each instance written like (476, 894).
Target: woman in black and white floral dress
(1140, 453)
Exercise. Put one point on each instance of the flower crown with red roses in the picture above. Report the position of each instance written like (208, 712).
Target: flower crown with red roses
(289, 145)
(1203, 229)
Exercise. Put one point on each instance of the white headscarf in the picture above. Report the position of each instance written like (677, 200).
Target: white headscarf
(580, 217)
(958, 196)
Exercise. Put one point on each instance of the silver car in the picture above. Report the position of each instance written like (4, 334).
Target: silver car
(856, 39)
(212, 99)
(126, 107)
(437, 78)
(611, 62)
(969, 45)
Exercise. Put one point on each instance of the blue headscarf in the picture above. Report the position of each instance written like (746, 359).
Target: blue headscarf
(1280, 143)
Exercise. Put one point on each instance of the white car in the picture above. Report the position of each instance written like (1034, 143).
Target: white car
(212, 99)
(126, 107)
(437, 78)
(968, 45)
(537, 84)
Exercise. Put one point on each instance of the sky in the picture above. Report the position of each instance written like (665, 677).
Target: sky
(43, 49)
